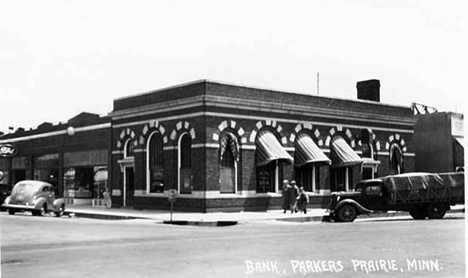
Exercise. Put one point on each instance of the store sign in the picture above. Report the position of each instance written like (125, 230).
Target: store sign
(7, 150)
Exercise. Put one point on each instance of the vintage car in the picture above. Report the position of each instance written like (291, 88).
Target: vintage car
(35, 196)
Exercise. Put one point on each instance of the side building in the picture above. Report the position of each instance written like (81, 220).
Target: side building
(225, 147)
(72, 156)
(439, 142)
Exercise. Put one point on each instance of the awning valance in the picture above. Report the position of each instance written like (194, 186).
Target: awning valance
(458, 151)
(308, 152)
(342, 154)
(268, 148)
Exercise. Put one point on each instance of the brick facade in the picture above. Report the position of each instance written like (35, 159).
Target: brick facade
(202, 113)
(206, 110)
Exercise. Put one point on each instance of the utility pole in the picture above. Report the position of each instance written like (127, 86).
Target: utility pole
(318, 82)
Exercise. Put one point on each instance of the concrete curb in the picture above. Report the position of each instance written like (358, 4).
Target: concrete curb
(218, 223)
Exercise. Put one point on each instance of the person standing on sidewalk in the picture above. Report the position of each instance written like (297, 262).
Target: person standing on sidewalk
(286, 197)
(293, 193)
(302, 200)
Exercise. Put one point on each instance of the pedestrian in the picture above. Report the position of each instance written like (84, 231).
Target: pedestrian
(302, 200)
(293, 193)
(286, 198)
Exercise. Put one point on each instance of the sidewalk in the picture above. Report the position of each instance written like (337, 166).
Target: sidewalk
(216, 218)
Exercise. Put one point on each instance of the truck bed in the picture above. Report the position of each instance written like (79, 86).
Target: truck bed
(425, 187)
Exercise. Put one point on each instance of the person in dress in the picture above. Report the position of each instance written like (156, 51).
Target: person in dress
(286, 197)
(293, 194)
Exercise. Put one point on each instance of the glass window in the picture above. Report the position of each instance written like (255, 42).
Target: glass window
(185, 177)
(156, 165)
(186, 153)
(100, 182)
(266, 178)
(129, 148)
(4, 177)
(373, 190)
(79, 182)
(48, 175)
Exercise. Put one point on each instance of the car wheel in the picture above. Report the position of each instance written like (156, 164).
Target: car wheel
(60, 211)
(11, 212)
(436, 211)
(42, 211)
(347, 213)
(418, 213)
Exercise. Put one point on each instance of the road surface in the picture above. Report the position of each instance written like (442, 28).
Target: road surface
(74, 247)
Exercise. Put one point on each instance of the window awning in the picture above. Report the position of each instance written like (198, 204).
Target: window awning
(458, 151)
(308, 152)
(342, 154)
(268, 149)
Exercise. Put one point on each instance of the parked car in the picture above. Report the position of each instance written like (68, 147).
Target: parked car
(421, 194)
(5, 191)
(37, 197)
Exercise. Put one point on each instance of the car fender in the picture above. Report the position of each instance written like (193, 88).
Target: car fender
(58, 203)
(38, 203)
(358, 206)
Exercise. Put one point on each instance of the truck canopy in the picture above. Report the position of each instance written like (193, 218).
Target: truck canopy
(425, 187)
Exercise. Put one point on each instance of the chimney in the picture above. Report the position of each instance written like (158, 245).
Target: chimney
(369, 90)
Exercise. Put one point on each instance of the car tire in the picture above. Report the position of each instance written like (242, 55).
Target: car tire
(41, 212)
(347, 213)
(436, 211)
(418, 213)
(60, 211)
(11, 212)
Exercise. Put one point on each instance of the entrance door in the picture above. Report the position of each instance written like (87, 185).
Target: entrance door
(129, 186)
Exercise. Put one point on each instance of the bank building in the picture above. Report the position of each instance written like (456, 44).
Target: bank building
(223, 147)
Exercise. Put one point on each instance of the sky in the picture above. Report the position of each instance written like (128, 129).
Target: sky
(61, 58)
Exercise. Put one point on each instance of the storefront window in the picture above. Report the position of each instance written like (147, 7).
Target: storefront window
(100, 182)
(79, 182)
(48, 175)
(4, 177)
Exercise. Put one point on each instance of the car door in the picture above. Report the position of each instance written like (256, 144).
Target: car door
(372, 197)
(47, 193)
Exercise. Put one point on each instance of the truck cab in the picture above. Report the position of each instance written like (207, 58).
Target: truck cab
(368, 196)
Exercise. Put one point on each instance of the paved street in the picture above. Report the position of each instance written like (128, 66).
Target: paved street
(75, 247)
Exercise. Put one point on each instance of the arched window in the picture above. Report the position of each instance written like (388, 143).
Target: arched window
(185, 164)
(128, 148)
(156, 163)
(228, 155)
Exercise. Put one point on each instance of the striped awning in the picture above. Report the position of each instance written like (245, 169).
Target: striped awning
(308, 152)
(268, 149)
(342, 154)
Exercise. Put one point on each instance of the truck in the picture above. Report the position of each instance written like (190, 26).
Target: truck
(423, 195)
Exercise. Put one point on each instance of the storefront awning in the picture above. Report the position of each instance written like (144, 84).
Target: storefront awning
(268, 149)
(342, 154)
(458, 151)
(308, 152)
